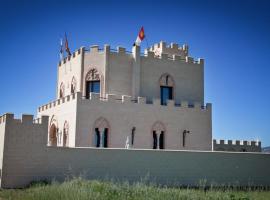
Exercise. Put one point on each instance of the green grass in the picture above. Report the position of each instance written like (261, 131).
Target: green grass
(79, 189)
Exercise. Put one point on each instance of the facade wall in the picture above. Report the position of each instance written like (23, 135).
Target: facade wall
(122, 117)
(70, 68)
(27, 158)
(188, 78)
(59, 112)
(120, 73)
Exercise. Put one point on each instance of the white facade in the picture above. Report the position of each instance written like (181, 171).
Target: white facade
(128, 104)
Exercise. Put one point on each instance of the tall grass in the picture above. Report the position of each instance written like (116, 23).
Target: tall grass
(80, 189)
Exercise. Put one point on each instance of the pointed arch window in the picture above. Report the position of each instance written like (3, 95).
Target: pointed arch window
(62, 90)
(158, 132)
(65, 134)
(101, 133)
(53, 131)
(73, 85)
(92, 82)
(166, 83)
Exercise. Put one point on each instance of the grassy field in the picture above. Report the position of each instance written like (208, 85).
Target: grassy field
(79, 189)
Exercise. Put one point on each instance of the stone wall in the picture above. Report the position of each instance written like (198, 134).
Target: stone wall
(27, 158)
(237, 145)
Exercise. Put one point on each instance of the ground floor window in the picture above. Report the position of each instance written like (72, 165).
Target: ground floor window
(158, 140)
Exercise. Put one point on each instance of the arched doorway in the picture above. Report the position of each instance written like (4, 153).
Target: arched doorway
(52, 135)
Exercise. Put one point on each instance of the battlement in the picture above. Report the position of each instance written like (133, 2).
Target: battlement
(159, 51)
(125, 99)
(58, 102)
(174, 57)
(76, 53)
(26, 119)
(237, 145)
(172, 49)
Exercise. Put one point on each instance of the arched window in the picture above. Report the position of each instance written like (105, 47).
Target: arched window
(158, 131)
(62, 90)
(92, 82)
(65, 134)
(101, 131)
(73, 85)
(167, 85)
(53, 132)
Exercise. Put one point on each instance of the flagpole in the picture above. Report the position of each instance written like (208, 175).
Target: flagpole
(146, 42)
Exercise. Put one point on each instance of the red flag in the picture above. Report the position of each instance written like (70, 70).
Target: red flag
(140, 37)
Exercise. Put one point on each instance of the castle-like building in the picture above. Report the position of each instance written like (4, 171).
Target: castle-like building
(113, 98)
(113, 107)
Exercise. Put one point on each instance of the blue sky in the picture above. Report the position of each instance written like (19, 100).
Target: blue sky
(232, 36)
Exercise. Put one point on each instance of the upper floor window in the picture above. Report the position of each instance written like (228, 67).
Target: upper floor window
(62, 90)
(92, 83)
(166, 93)
(73, 85)
(166, 83)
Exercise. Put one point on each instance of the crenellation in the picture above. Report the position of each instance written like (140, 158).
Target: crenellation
(126, 99)
(111, 97)
(198, 105)
(27, 118)
(150, 54)
(189, 59)
(208, 106)
(94, 96)
(156, 102)
(200, 61)
(174, 46)
(123, 99)
(184, 104)
(141, 100)
(162, 45)
(164, 56)
(170, 103)
(94, 48)
(185, 48)
(176, 57)
(121, 50)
